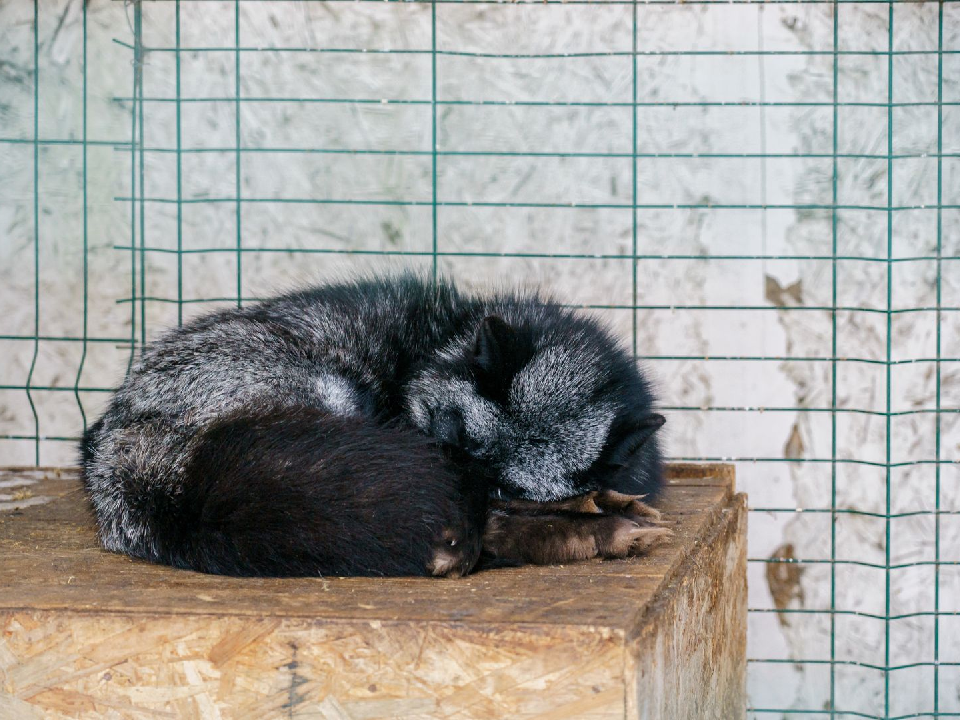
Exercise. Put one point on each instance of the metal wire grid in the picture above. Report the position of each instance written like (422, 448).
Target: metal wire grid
(138, 249)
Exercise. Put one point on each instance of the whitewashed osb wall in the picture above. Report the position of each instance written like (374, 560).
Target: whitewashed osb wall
(787, 297)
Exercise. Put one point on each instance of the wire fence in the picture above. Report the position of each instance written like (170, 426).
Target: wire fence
(762, 198)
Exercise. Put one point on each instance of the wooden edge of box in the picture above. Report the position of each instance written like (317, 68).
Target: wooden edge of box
(683, 473)
(641, 579)
(686, 654)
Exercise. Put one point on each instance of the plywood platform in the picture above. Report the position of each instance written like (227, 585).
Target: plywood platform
(90, 634)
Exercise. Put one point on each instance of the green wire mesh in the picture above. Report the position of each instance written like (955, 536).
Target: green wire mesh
(114, 237)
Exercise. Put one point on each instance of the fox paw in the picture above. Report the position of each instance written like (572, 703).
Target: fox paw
(547, 539)
(454, 554)
(622, 537)
(631, 506)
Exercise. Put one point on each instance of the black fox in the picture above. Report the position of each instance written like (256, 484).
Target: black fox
(386, 426)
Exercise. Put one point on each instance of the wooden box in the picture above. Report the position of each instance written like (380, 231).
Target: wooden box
(93, 635)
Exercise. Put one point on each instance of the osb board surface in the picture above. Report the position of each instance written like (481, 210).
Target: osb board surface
(50, 560)
(85, 665)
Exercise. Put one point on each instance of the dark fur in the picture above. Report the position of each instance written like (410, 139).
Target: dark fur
(359, 428)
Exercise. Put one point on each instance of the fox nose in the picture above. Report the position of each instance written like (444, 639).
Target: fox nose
(447, 428)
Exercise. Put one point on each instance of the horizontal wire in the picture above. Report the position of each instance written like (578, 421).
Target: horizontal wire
(857, 613)
(550, 154)
(796, 358)
(63, 141)
(671, 308)
(538, 103)
(857, 563)
(841, 411)
(593, 306)
(61, 338)
(514, 3)
(555, 205)
(853, 511)
(856, 663)
(853, 713)
(34, 438)
(536, 56)
(556, 153)
(542, 255)
(57, 388)
(814, 461)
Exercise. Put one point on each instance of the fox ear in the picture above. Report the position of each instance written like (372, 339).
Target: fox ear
(492, 345)
(638, 436)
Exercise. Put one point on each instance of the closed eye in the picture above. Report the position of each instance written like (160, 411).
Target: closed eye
(538, 441)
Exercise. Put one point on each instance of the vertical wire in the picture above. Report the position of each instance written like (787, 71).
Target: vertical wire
(36, 227)
(937, 379)
(886, 643)
(83, 354)
(236, 37)
(133, 190)
(179, 178)
(433, 137)
(633, 152)
(833, 386)
(138, 24)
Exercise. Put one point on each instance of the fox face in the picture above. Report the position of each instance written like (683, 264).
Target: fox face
(548, 414)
